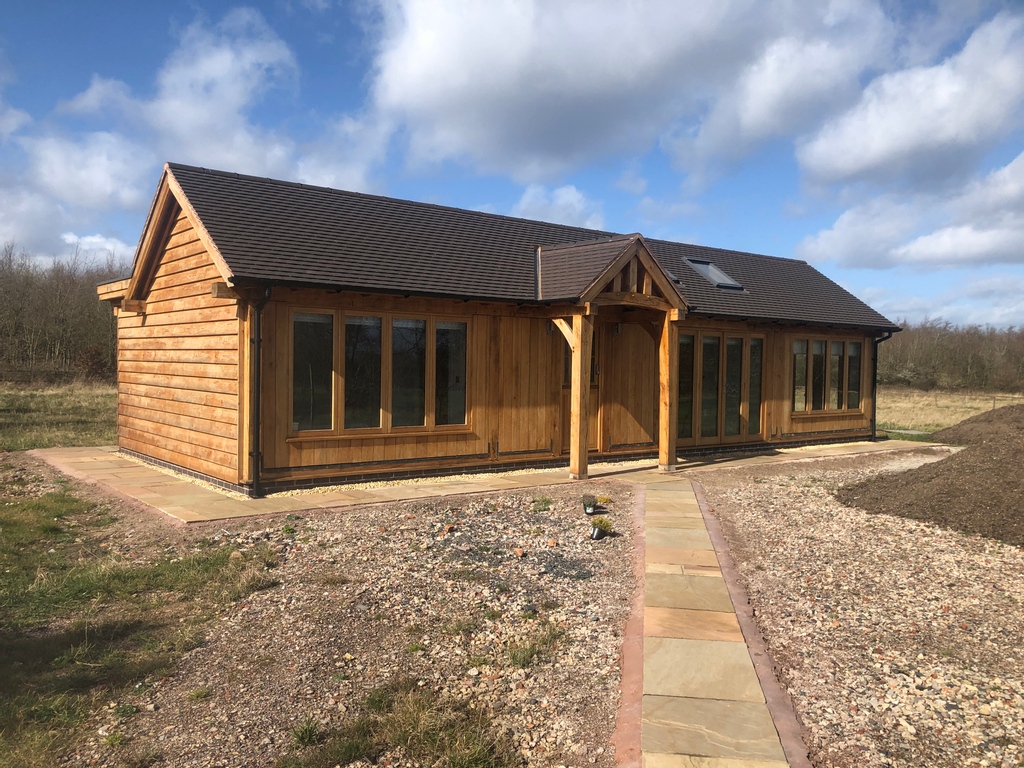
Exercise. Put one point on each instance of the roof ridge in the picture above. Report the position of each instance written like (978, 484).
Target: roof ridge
(600, 233)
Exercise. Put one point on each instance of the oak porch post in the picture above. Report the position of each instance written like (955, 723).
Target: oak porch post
(582, 338)
(668, 392)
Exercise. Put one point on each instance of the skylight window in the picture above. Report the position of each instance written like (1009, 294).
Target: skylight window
(714, 275)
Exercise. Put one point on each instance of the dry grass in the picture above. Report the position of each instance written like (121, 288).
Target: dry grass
(61, 415)
(903, 408)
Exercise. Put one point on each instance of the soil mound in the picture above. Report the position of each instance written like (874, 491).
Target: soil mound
(991, 425)
(977, 490)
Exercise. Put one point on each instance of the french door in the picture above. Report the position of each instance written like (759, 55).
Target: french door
(720, 388)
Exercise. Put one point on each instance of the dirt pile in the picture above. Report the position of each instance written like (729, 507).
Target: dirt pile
(977, 490)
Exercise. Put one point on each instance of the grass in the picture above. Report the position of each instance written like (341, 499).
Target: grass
(535, 647)
(82, 626)
(902, 408)
(57, 416)
(428, 730)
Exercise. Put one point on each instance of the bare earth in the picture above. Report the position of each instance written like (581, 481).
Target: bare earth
(435, 590)
(900, 643)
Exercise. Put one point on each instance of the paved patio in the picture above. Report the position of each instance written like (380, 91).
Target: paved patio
(709, 697)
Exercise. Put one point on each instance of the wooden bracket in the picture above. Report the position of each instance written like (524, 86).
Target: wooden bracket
(563, 325)
(223, 291)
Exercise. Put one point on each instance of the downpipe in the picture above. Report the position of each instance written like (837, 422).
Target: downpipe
(874, 384)
(256, 453)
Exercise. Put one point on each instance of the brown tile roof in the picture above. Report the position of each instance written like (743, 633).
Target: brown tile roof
(294, 234)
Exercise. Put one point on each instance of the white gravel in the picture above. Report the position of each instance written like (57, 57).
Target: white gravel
(901, 644)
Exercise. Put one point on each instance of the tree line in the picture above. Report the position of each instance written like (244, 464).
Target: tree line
(938, 355)
(52, 326)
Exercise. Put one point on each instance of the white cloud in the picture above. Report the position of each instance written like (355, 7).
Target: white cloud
(565, 205)
(98, 246)
(996, 300)
(632, 182)
(797, 80)
(101, 170)
(981, 223)
(532, 88)
(928, 122)
(11, 119)
(345, 156)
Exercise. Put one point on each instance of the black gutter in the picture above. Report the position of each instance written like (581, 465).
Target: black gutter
(874, 384)
(256, 454)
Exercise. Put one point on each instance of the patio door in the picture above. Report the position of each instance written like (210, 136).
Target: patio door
(720, 388)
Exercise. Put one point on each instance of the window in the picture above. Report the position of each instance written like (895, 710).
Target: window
(684, 412)
(394, 372)
(709, 386)
(362, 372)
(714, 274)
(312, 371)
(450, 373)
(754, 398)
(829, 377)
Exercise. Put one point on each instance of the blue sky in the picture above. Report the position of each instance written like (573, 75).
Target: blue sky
(881, 141)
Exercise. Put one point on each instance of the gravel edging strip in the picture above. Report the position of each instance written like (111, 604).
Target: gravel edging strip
(779, 703)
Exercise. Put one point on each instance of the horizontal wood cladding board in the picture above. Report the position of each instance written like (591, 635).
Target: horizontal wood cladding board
(166, 434)
(188, 258)
(186, 317)
(137, 415)
(429, 446)
(178, 328)
(207, 356)
(181, 223)
(186, 394)
(189, 304)
(182, 408)
(167, 291)
(207, 464)
(182, 382)
(194, 370)
(224, 342)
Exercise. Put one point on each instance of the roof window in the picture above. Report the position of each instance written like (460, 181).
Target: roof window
(714, 275)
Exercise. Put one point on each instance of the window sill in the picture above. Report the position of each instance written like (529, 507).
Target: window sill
(829, 413)
(371, 434)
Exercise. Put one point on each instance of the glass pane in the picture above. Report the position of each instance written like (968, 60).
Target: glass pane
(362, 372)
(450, 373)
(566, 363)
(408, 372)
(709, 387)
(312, 371)
(853, 375)
(733, 384)
(684, 415)
(800, 375)
(818, 376)
(835, 376)
(754, 407)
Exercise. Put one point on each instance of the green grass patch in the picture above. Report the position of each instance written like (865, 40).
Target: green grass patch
(81, 624)
(57, 416)
(428, 730)
(534, 648)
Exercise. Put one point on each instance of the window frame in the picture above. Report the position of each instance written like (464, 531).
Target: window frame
(338, 430)
(808, 410)
(335, 382)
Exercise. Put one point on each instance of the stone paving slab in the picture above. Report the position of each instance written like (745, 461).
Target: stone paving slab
(693, 625)
(693, 668)
(710, 728)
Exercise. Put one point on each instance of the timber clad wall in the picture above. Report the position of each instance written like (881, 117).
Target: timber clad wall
(178, 371)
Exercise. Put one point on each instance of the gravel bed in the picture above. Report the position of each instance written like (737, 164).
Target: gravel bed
(900, 643)
(443, 590)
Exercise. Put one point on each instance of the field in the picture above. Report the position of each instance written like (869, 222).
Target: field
(904, 408)
(61, 415)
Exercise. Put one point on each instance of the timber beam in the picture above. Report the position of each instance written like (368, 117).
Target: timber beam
(668, 393)
(582, 339)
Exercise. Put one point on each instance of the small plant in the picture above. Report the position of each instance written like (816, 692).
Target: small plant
(604, 499)
(125, 711)
(199, 694)
(542, 504)
(589, 502)
(307, 733)
(600, 527)
(414, 647)
(115, 739)
(288, 530)
(492, 614)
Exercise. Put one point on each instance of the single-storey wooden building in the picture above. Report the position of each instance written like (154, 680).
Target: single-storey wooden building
(275, 334)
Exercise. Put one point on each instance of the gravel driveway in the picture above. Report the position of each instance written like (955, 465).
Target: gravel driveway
(901, 644)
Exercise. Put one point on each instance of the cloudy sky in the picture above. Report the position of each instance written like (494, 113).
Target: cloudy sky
(881, 141)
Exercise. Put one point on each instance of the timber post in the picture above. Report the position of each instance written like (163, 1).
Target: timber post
(668, 386)
(582, 339)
